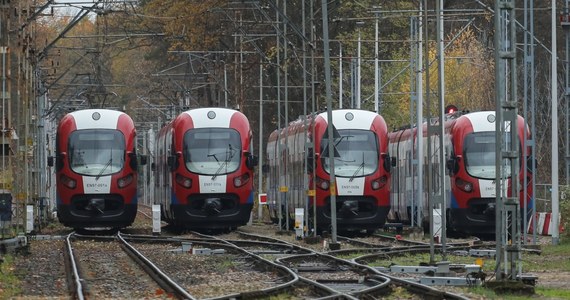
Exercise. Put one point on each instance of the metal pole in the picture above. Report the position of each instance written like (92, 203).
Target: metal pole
(413, 101)
(525, 110)
(339, 75)
(327, 64)
(533, 118)
(279, 166)
(419, 120)
(376, 69)
(260, 135)
(441, 154)
(566, 27)
(554, 132)
(225, 86)
(286, 96)
(429, 141)
(305, 133)
(507, 150)
(358, 65)
(313, 109)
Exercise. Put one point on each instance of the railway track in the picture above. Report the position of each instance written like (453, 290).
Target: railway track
(254, 265)
(106, 267)
(350, 278)
(213, 269)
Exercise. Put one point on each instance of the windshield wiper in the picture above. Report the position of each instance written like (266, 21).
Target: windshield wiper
(229, 155)
(360, 167)
(214, 156)
(104, 168)
(225, 163)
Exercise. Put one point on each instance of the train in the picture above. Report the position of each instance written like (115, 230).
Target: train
(96, 169)
(362, 168)
(469, 143)
(203, 168)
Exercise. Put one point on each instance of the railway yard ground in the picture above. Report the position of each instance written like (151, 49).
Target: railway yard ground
(258, 261)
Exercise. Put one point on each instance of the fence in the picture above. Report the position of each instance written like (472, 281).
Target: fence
(543, 196)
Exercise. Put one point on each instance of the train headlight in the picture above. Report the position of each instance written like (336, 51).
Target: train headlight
(68, 182)
(465, 186)
(322, 184)
(241, 180)
(379, 183)
(125, 181)
(184, 181)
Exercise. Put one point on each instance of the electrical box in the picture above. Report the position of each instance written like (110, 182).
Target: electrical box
(156, 219)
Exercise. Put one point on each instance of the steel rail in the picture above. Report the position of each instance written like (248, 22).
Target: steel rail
(382, 282)
(75, 279)
(160, 277)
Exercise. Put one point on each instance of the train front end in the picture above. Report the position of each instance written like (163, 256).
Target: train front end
(212, 181)
(473, 174)
(361, 168)
(96, 169)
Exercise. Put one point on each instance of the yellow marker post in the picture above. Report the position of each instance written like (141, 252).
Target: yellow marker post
(479, 262)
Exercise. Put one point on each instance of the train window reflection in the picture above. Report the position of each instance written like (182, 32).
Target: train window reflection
(96, 152)
(212, 151)
(356, 153)
(479, 154)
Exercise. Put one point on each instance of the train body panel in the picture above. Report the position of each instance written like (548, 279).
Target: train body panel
(470, 172)
(96, 169)
(204, 169)
(361, 170)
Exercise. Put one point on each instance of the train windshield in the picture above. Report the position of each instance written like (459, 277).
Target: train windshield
(355, 151)
(96, 152)
(479, 155)
(212, 151)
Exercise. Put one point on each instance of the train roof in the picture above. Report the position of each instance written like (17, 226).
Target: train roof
(96, 118)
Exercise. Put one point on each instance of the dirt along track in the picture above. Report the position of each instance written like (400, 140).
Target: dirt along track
(41, 269)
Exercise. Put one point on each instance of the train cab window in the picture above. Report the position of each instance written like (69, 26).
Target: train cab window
(356, 153)
(96, 152)
(212, 151)
(479, 155)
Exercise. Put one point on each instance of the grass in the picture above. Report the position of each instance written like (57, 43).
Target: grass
(223, 264)
(9, 283)
(553, 258)
(551, 293)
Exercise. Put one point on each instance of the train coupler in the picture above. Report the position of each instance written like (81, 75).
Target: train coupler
(213, 206)
(96, 205)
(349, 207)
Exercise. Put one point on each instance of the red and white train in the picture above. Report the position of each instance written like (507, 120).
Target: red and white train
(470, 172)
(361, 167)
(204, 169)
(96, 169)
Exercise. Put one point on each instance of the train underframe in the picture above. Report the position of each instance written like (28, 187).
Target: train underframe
(210, 211)
(353, 214)
(91, 210)
(478, 218)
